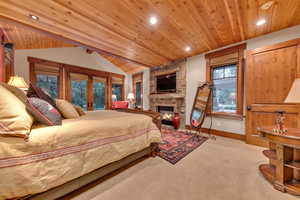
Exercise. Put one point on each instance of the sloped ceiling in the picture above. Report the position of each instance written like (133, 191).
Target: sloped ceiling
(25, 38)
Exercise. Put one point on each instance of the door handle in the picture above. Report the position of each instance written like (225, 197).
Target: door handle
(249, 108)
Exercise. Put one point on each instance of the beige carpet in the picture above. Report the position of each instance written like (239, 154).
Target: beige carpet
(224, 169)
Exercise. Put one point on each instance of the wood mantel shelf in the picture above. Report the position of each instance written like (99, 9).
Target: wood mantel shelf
(167, 96)
(283, 170)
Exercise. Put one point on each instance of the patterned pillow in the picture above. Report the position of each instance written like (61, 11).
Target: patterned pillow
(43, 111)
(37, 92)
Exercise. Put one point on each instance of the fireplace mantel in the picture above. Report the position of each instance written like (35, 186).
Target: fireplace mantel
(167, 96)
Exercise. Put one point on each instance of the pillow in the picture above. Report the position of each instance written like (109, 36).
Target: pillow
(66, 109)
(120, 104)
(79, 110)
(14, 120)
(37, 92)
(43, 111)
(16, 91)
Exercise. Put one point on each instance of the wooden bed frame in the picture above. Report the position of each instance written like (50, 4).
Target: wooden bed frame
(84, 180)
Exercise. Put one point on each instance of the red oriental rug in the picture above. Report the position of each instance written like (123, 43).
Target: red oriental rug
(178, 143)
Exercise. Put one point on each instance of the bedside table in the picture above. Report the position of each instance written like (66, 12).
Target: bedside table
(283, 170)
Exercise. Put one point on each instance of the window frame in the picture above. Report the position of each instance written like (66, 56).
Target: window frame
(33, 75)
(138, 77)
(64, 78)
(239, 61)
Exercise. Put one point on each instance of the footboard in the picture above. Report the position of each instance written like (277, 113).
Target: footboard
(154, 115)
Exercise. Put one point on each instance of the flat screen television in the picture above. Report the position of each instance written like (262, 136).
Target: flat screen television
(166, 83)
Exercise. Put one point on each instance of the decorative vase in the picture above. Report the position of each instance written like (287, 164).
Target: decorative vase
(176, 121)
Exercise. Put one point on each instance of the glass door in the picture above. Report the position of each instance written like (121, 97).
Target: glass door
(79, 90)
(99, 93)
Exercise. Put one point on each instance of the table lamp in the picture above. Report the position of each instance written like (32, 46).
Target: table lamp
(114, 97)
(18, 82)
(130, 97)
(292, 97)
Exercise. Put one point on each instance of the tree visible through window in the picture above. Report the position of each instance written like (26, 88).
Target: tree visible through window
(49, 83)
(79, 93)
(117, 90)
(138, 94)
(99, 95)
(225, 88)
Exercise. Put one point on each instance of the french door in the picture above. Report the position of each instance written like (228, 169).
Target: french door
(87, 91)
(270, 74)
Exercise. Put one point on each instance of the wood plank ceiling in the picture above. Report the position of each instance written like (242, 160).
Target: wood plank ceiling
(122, 27)
(25, 38)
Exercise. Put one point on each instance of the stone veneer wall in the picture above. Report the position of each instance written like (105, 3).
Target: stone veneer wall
(177, 100)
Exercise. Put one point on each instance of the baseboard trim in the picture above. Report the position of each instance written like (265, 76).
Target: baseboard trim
(221, 133)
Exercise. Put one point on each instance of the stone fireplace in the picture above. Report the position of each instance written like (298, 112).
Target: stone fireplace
(174, 100)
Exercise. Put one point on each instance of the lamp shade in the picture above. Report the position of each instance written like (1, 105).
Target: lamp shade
(18, 82)
(114, 97)
(294, 94)
(130, 96)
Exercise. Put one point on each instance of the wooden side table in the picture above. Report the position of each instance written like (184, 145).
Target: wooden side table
(283, 170)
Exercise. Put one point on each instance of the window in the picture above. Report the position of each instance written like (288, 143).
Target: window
(225, 72)
(138, 94)
(117, 90)
(99, 93)
(118, 87)
(48, 82)
(225, 89)
(47, 75)
(137, 85)
(88, 88)
(79, 85)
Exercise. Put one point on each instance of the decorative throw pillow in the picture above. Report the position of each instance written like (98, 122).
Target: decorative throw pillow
(37, 92)
(66, 109)
(43, 111)
(14, 120)
(79, 110)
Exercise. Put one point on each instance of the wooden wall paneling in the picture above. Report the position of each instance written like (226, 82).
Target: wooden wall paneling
(270, 73)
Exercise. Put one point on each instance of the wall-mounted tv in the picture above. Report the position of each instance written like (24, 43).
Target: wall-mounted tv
(166, 83)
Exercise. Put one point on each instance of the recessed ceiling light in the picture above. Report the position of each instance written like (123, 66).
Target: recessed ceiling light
(267, 5)
(153, 20)
(260, 22)
(34, 17)
(187, 48)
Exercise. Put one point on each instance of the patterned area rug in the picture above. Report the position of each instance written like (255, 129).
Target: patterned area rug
(178, 143)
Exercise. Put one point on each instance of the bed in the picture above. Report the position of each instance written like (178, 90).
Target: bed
(53, 156)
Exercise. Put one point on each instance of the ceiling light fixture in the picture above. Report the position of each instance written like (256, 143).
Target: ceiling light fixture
(260, 22)
(153, 20)
(267, 5)
(34, 17)
(187, 48)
